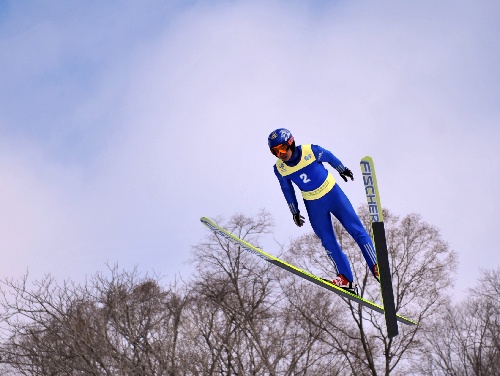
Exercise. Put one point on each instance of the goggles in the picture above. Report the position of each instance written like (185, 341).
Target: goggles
(280, 149)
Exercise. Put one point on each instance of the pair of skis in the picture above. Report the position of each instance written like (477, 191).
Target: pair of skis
(376, 215)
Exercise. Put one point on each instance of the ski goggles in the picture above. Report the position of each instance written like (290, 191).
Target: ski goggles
(282, 148)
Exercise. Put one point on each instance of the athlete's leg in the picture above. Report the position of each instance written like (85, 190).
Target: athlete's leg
(321, 222)
(342, 209)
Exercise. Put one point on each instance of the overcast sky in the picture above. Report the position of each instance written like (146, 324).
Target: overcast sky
(123, 122)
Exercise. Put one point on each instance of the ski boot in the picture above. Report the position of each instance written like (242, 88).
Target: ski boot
(376, 273)
(344, 284)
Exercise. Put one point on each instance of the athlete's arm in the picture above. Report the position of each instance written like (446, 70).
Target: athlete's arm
(288, 192)
(324, 155)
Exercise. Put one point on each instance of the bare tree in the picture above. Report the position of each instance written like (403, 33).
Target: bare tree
(246, 325)
(421, 267)
(465, 340)
(240, 315)
(122, 325)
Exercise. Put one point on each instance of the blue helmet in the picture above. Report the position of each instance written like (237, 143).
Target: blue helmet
(279, 136)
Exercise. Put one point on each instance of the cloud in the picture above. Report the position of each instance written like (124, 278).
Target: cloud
(34, 217)
(135, 122)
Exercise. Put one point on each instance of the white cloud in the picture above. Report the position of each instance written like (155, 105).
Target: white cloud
(174, 125)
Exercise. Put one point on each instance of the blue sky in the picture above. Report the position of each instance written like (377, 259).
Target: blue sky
(122, 122)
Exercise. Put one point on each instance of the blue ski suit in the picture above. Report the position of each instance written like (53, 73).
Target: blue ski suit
(322, 196)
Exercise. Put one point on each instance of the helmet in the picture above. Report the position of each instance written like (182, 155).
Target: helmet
(280, 141)
(280, 136)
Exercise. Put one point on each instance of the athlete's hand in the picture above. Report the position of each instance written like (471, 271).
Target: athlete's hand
(347, 173)
(298, 219)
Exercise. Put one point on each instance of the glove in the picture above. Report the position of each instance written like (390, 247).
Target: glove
(298, 219)
(347, 173)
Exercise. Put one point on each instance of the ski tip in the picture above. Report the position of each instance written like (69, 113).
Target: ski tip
(207, 222)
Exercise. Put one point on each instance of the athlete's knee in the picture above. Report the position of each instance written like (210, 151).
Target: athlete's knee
(357, 231)
(331, 245)
(360, 236)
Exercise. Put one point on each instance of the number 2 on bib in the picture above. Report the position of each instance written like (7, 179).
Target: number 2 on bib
(304, 178)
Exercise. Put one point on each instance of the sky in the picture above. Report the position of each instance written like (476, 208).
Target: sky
(124, 122)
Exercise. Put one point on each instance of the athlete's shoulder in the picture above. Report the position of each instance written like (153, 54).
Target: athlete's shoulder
(306, 152)
(275, 169)
(318, 151)
(305, 147)
(317, 147)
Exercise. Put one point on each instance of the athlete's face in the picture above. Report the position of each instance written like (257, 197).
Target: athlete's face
(286, 156)
(282, 151)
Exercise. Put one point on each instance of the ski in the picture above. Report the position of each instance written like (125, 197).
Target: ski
(377, 219)
(297, 271)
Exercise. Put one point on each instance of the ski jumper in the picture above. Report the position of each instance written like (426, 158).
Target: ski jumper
(323, 196)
